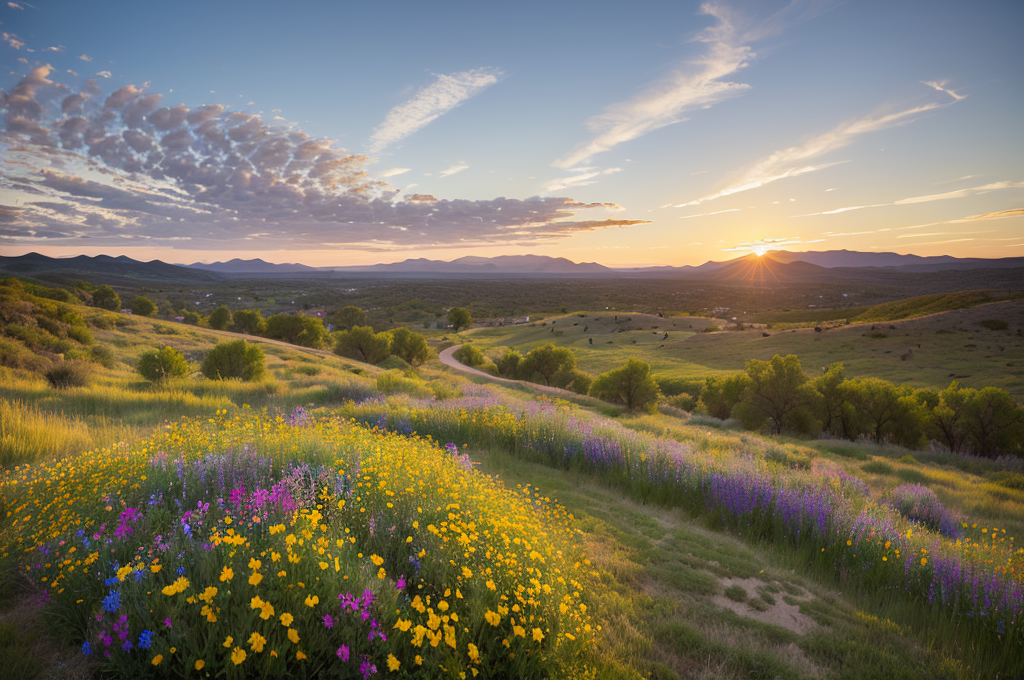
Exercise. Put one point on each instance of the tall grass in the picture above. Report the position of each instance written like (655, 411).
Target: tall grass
(28, 433)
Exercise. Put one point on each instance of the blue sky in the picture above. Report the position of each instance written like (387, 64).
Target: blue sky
(654, 133)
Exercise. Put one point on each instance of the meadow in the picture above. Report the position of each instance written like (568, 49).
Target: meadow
(336, 518)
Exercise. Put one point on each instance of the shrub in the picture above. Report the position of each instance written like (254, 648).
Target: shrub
(347, 318)
(919, 503)
(393, 382)
(106, 297)
(68, 374)
(159, 365)
(469, 355)
(142, 306)
(306, 331)
(249, 321)
(459, 318)
(191, 318)
(80, 334)
(409, 346)
(363, 344)
(547, 361)
(102, 355)
(508, 364)
(237, 359)
(220, 318)
(630, 385)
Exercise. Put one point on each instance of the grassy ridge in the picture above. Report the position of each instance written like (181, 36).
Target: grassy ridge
(928, 304)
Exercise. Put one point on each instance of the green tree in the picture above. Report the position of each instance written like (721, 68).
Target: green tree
(547, 361)
(347, 317)
(220, 318)
(508, 364)
(191, 318)
(469, 355)
(630, 385)
(776, 389)
(889, 411)
(994, 423)
(947, 423)
(236, 359)
(159, 365)
(306, 331)
(412, 347)
(363, 344)
(832, 397)
(142, 306)
(106, 297)
(720, 395)
(249, 321)
(459, 318)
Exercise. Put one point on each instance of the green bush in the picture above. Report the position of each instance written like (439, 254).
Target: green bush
(106, 297)
(469, 355)
(249, 321)
(67, 374)
(220, 318)
(363, 344)
(237, 359)
(409, 346)
(102, 355)
(630, 385)
(142, 306)
(159, 365)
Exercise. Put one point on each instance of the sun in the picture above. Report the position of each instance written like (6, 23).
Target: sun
(760, 249)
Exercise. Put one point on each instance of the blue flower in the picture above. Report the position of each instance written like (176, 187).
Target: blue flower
(112, 601)
(86, 648)
(111, 581)
(145, 639)
(180, 570)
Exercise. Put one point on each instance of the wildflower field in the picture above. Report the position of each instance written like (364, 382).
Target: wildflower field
(964, 581)
(244, 545)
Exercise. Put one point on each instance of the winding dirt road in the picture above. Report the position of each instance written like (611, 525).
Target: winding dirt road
(446, 358)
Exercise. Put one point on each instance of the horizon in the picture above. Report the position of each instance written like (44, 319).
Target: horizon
(723, 129)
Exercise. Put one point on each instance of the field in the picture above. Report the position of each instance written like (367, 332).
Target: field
(338, 519)
(929, 351)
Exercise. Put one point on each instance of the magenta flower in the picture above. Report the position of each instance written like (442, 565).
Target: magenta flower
(328, 621)
(400, 583)
(343, 652)
(167, 622)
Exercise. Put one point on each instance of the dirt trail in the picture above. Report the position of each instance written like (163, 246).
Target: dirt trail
(446, 358)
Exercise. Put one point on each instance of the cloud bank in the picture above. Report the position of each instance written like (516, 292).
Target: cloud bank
(95, 168)
(432, 101)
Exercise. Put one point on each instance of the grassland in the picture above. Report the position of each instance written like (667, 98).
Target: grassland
(678, 591)
(929, 351)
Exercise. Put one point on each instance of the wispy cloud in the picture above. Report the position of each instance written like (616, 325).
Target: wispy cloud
(393, 172)
(14, 41)
(104, 74)
(1016, 212)
(451, 170)
(940, 86)
(764, 245)
(586, 176)
(946, 195)
(701, 84)
(795, 161)
(717, 212)
(432, 101)
(84, 57)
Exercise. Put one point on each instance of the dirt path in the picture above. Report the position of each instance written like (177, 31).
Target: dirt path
(447, 359)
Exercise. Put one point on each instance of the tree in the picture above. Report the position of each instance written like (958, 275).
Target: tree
(947, 421)
(832, 398)
(363, 344)
(191, 318)
(159, 365)
(106, 297)
(236, 359)
(412, 347)
(630, 385)
(890, 412)
(776, 389)
(720, 395)
(249, 321)
(469, 355)
(141, 306)
(459, 318)
(547, 360)
(508, 364)
(994, 423)
(347, 318)
(220, 318)
(306, 331)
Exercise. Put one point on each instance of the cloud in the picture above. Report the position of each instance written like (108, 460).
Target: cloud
(431, 102)
(717, 212)
(586, 176)
(393, 172)
(451, 170)
(95, 167)
(940, 86)
(1016, 212)
(701, 84)
(104, 74)
(14, 5)
(946, 195)
(762, 246)
(84, 57)
(14, 41)
(794, 161)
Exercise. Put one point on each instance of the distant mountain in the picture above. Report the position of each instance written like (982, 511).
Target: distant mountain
(852, 258)
(504, 264)
(257, 266)
(122, 267)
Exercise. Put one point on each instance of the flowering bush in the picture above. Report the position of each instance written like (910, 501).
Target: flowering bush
(245, 545)
(920, 504)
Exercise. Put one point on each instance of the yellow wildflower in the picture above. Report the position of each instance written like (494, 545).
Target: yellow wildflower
(238, 655)
(393, 663)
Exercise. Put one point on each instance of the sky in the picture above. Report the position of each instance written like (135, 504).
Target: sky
(658, 133)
